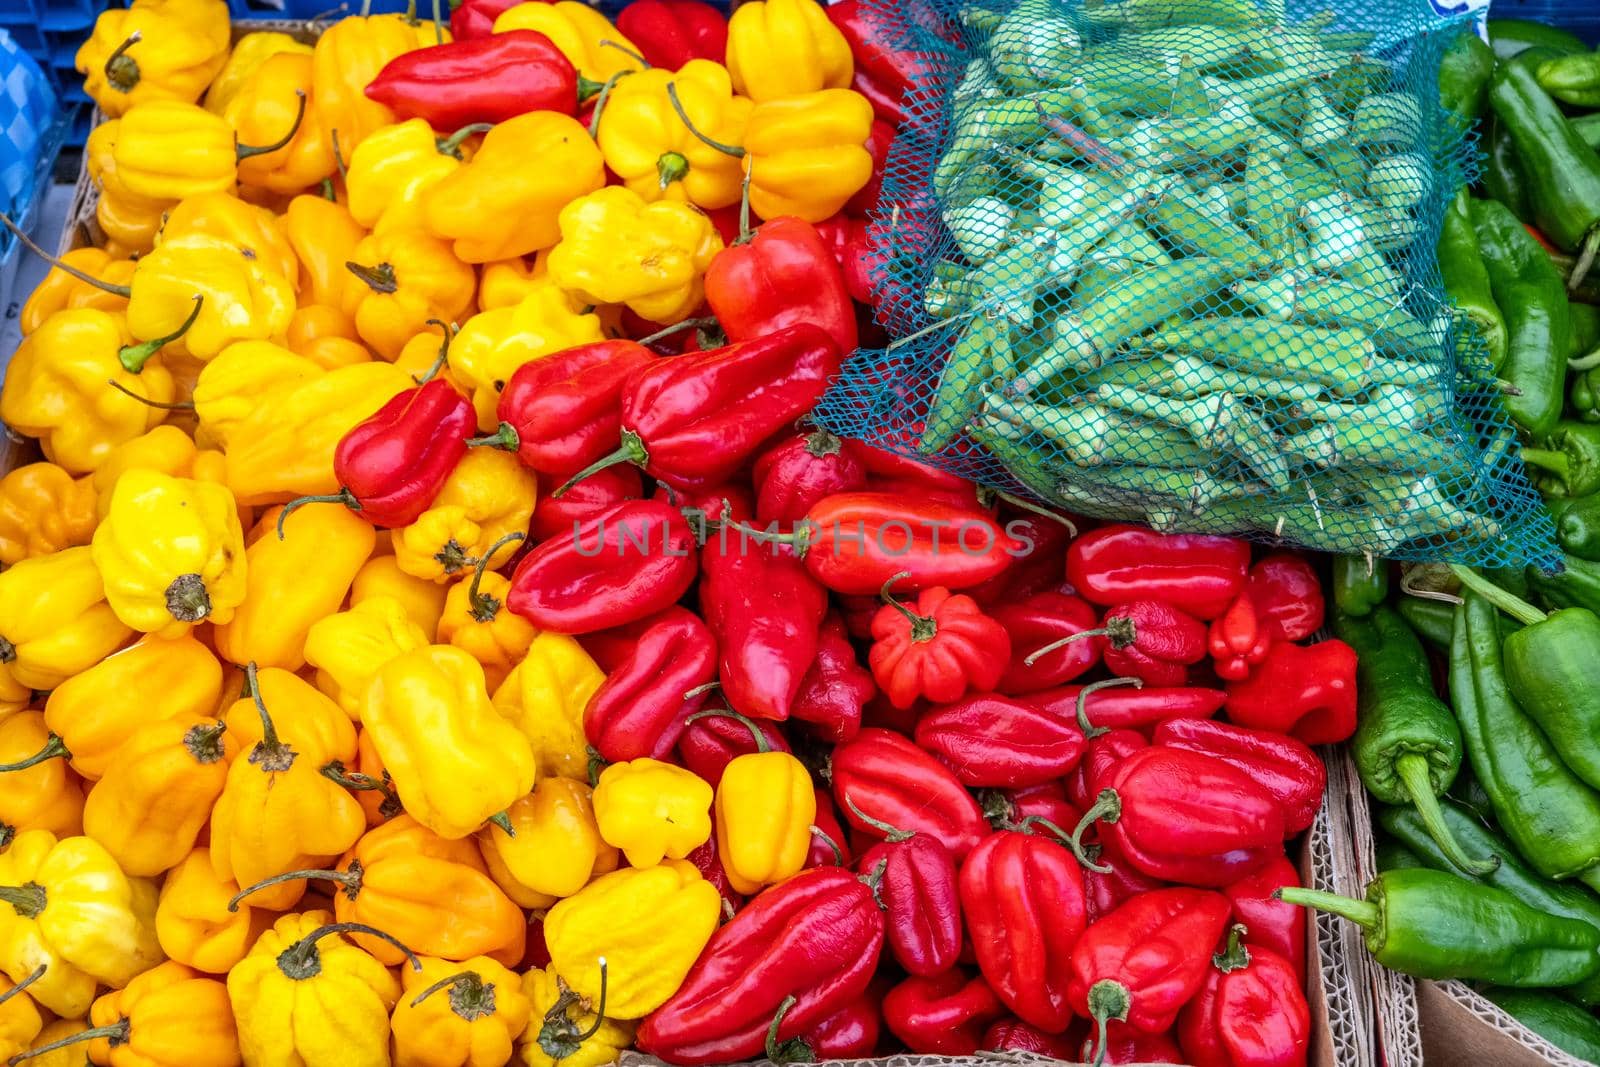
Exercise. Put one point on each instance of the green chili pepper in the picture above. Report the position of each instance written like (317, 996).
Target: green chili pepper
(1529, 292)
(1567, 461)
(1578, 526)
(1560, 1022)
(1343, 360)
(1466, 279)
(1573, 80)
(1376, 443)
(1551, 817)
(1360, 584)
(1092, 434)
(1503, 177)
(1588, 128)
(1407, 746)
(1429, 619)
(980, 226)
(1176, 215)
(1031, 42)
(1393, 856)
(982, 343)
(1575, 585)
(1221, 423)
(1464, 73)
(1434, 924)
(1471, 796)
(1138, 15)
(1512, 37)
(1331, 302)
(1585, 396)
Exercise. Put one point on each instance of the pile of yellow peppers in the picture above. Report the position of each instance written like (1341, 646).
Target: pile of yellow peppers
(296, 800)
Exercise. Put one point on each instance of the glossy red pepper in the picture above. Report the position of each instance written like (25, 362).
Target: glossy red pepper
(1006, 809)
(1306, 691)
(846, 238)
(1273, 924)
(1148, 640)
(1237, 639)
(1196, 573)
(898, 474)
(1251, 1011)
(694, 420)
(884, 71)
(1040, 569)
(1283, 766)
(796, 954)
(942, 649)
(1102, 754)
(646, 700)
(1126, 708)
(1288, 595)
(1014, 1035)
(851, 1033)
(830, 843)
(1187, 817)
(1043, 620)
(894, 782)
(835, 688)
(475, 18)
(991, 740)
(562, 516)
(793, 475)
(1023, 898)
(879, 141)
(1127, 1045)
(921, 901)
(943, 1014)
(783, 276)
(709, 864)
(669, 33)
(1104, 891)
(1142, 963)
(715, 738)
(566, 407)
(482, 79)
(625, 564)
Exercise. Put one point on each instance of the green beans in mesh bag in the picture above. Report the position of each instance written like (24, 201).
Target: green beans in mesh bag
(1174, 261)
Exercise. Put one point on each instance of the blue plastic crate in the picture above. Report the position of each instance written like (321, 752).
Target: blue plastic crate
(32, 129)
(1581, 17)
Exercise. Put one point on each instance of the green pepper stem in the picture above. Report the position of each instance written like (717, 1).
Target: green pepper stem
(796, 1050)
(1039, 653)
(683, 116)
(687, 324)
(146, 401)
(505, 438)
(762, 744)
(601, 98)
(451, 146)
(1089, 730)
(28, 900)
(38, 973)
(117, 1034)
(122, 70)
(1509, 603)
(53, 748)
(449, 331)
(827, 839)
(270, 753)
(1586, 256)
(503, 820)
(588, 88)
(1412, 770)
(380, 279)
(1071, 841)
(134, 357)
(1042, 512)
(349, 881)
(606, 42)
(1550, 460)
(245, 151)
(1108, 999)
(1107, 807)
(358, 782)
(1363, 913)
(65, 268)
(343, 496)
(1583, 363)
(301, 960)
(445, 983)
(889, 831)
(632, 450)
(338, 155)
(924, 628)
(1234, 955)
(485, 608)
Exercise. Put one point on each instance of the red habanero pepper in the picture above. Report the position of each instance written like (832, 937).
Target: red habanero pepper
(830, 845)
(944, 649)
(1273, 924)
(1104, 891)
(943, 1014)
(1280, 764)
(1142, 963)
(1145, 639)
(709, 864)
(921, 901)
(392, 464)
(625, 564)
(1044, 620)
(694, 420)
(475, 18)
(561, 516)
(893, 782)
(713, 504)
(566, 407)
(1306, 691)
(645, 702)
(485, 79)
(794, 956)
(1036, 569)
(883, 71)
(851, 1033)
(1023, 899)
(846, 239)
(669, 33)
(1288, 596)
(1237, 640)
(793, 475)
(1007, 809)
(835, 688)
(714, 739)
(1102, 754)
(1014, 1035)
(1187, 817)
(897, 474)
(782, 276)
(1130, 709)
(1251, 1011)
(991, 740)
(1196, 573)
(879, 141)
(1126, 1045)
(611, 648)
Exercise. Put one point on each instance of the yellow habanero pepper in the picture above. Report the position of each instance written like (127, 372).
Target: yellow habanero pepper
(54, 620)
(65, 1056)
(171, 553)
(493, 344)
(233, 387)
(506, 281)
(779, 48)
(169, 1016)
(251, 50)
(307, 997)
(488, 496)
(221, 218)
(278, 811)
(169, 150)
(574, 1017)
(61, 290)
(20, 1021)
(381, 576)
(348, 55)
(765, 807)
(806, 155)
(471, 206)
(648, 924)
(65, 903)
(454, 760)
(193, 922)
(427, 356)
(647, 144)
(556, 849)
(166, 449)
(293, 581)
(149, 808)
(129, 222)
(390, 174)
(96, 711)
(318, 322)
(324, 237)
(43, 509)
(398, 280)
(348, 647)
(466, 1014)
(228, 295)
(577, 30)
(475, 618)
(45, 794)
(544, 697)
(652, 810)
(266, 106)
(617, 249)
(153, 50)
(57, 388)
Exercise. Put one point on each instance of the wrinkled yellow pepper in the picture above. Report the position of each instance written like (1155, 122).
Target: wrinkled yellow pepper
(389, 176)
(544, 697)
(324, 237)
(381, 576)
(166, 449)
(20, 1021)
(577, 30)
(130, 222)
(169, 150)
(264, 108)
(488, 496)
(180, 46)
(648, 146)
(60, 290)
(212, 219)
(765, 807)
(348, 55)
(65, 904)
(648, 924)
(397, 281)
(470, 207)
(466, 1014)
(43, 509)
(249, 52)
(617, 249)
(54, 620)
(171, 553)
(233, 387)
(348, 647)
(574, 1017)
(45, 795)
(454, 760)
(169, 1016)
(230, 297)
(556, 849)
(652, 810)
(779, 48)
(506, 281)
(193, 922)
(806, 155)
(475, 618)
(493, 344)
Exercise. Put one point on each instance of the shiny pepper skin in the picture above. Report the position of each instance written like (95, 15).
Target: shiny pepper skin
(475, 619)
(265, 110)
(467, 1014)
(556, 848)
(60, 290)
(806, 155)
(398, 280)
(884, 776)
(652, 810)
(647, 145)
(180, 47)
(394, 462)
(1250, 1012)
(943, 1014)
(245, 58)
(712, 741)
(392, 173)
(486, 496)
(1036, 622)
(45, 796)
(54, 623)
(1195, 573)
(566, 405)
(347, 56)
(765, 805)
(348, 647)
(193, 923)
(996, 741)
(1152, 641)
(793, 475)
(169, 1016)
(781, 48)
(577, 30)
(544, 697)
(940, 650)
(921, 901)
(43, 509)
(495, 343)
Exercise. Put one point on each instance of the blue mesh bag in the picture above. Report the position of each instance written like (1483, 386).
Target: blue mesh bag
(1173, 261)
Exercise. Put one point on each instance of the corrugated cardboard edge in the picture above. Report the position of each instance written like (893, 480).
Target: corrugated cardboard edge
(1463, 1029)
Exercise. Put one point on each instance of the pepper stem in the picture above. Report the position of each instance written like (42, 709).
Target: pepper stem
(65, 268)
(364, 783)
(890, 831)
(187, 598)
(1550, 460)
(686, 324)
(683, 116)
(28, 900)
(53, 747)
(380, 279)
(600, 1009)
(505, 437)
(670, 167)
(1412, 770)
(606, 42)
(1363, 913)
(632, 450)
(827, 839)
(245, 151)
(745, 233)
(343, 496)
(588, 88)
(449, 331)
(502, 820)
(1509, 603)
(762, 744)
(924, 628)
(1071, 841)
(38, 973)
(600, 100)
(348, 880)
(1039, 653)
(134, 357)
(338, 155)
(146, 401)
(302, 960)
(795, 1050)
(1586, 256)
(482, 607)
(117, 1034)
(1108, 1000)
(270, 753)
(1234, 956)
(1090, 730)
(121, 69)
(1107, 807)
(471, 998)
(451, 146)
